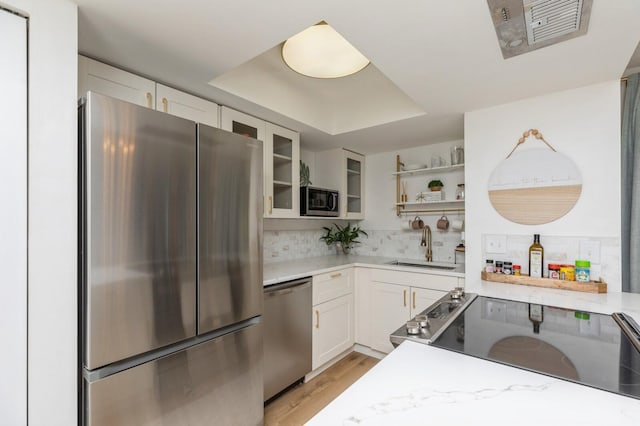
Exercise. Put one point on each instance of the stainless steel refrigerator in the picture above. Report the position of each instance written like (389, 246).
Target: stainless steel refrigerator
(170, 270)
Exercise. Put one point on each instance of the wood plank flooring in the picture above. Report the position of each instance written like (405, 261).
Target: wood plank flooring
(302, 402)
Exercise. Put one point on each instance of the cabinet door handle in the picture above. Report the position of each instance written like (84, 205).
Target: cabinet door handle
(339, 274)
(404, 297)
(414, 300)
(149, 100)
(165, 105)
(317, 319)
(270, 204)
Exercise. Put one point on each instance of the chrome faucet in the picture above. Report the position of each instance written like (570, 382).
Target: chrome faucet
(426, 242)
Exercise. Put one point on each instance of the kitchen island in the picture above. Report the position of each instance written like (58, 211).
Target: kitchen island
(418, 384)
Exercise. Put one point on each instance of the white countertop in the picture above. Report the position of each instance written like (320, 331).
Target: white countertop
(418, 384)
(605, 303)
(274, 273)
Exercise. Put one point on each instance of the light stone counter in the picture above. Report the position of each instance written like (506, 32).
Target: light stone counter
(606, 303)
(418, 385)
(274, 273)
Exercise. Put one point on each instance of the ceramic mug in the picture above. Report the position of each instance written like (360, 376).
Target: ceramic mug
(417, 223)
(443, 223)
(457, 224)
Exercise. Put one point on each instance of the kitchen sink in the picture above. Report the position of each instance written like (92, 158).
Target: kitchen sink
(420, 264)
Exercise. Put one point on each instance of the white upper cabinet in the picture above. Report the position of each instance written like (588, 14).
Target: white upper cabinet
(114, 82)
(353, 206)
(242, 124)
(282, 171)
(123, 85)
(187, 106)
(343, 170)
(281, 161)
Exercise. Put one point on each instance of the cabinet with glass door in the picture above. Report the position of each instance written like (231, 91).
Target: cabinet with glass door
(281, 166)
(344, 170)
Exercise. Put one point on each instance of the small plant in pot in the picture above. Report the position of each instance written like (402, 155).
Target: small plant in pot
(304, 175)
(435, 185)
(344, 236)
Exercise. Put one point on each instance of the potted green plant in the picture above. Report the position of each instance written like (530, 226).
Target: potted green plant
(344, 236)
(304, 175)
(435, 185)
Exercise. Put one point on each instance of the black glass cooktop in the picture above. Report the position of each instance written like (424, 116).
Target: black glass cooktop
(581, 347)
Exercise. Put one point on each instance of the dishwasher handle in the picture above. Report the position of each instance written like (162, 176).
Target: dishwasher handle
(287, 287)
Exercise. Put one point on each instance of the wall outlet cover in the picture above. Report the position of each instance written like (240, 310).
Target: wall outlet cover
(496, 244)
(590, 250)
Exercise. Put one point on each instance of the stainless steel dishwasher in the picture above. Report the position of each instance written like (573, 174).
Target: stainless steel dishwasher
(287, 326)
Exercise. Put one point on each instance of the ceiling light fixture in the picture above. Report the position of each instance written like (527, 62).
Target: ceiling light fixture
(321, 52)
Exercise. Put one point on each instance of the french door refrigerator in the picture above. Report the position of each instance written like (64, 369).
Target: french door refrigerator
(170, 269)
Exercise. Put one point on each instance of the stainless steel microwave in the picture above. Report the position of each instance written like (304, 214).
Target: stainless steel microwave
(319, 202)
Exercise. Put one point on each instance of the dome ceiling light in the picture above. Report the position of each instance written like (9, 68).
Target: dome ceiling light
(320, 52)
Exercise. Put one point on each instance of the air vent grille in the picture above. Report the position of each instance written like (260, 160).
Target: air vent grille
(548, 19)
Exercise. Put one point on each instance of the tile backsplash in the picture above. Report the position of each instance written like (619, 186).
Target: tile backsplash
(287, 245)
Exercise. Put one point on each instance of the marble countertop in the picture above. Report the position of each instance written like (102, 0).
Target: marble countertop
(605, 303)
(418, 384)
(274, 273)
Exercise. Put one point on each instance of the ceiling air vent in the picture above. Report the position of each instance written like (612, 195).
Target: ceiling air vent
(547, 19)
(526, 25)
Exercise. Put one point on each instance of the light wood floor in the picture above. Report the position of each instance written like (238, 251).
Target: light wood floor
(299, 404)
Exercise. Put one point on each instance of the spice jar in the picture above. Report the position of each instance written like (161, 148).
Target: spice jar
(583, 271)
(567, 272)
(489, 266)
(507, 268)
(554, 271)
(516, 269)
(498, 269)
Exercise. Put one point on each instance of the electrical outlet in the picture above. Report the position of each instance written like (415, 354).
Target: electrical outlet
(590, 250)
(496, 244)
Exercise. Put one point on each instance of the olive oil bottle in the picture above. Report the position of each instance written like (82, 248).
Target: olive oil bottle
(536, 257)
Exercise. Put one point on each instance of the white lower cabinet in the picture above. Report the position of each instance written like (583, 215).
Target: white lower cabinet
(396, 297)
(389, 309)
(365, 305)
(333, 315)
(332, 329)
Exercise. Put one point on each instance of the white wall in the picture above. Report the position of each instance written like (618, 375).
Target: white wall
(13, 218)
(52, 333)
(583, 124)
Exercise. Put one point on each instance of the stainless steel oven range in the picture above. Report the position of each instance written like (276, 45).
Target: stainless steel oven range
(430, 323)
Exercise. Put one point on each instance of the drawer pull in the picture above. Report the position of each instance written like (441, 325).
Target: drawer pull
(270, 205)
(149, 100)
(165, 104)
(339, 274)
(404, 297)
(414, 300)
(317, 319)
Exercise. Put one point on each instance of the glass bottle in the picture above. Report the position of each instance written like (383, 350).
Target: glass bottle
(536, 257)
